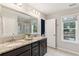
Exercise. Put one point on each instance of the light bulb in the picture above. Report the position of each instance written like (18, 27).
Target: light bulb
(19, 4)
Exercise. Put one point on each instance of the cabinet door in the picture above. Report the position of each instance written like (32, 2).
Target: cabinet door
(26, 53)
(17, 51)
(41, 50)
(43, 47)
(35, 51)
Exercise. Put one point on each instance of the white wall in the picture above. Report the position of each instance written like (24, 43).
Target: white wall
(62, 44)
(71, 46)
(0, 26)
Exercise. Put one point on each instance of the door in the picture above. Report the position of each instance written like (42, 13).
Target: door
(51, 32)
(42, 26)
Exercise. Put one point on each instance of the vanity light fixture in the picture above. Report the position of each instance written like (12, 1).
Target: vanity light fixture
(73, 4)
(19, 4)
(38, 13)
(34, 10)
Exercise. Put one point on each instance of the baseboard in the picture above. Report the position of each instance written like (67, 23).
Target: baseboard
(67, 50)
(51, 47)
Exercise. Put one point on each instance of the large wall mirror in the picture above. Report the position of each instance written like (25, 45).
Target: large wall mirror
(16, 23)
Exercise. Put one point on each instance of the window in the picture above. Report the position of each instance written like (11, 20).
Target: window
(69, 28)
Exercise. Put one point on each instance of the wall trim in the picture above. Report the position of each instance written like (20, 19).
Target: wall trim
(70, 51)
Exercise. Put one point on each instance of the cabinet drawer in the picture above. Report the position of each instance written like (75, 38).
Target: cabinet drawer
(17, 51)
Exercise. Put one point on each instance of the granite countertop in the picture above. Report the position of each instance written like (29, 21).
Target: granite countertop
(7, 46)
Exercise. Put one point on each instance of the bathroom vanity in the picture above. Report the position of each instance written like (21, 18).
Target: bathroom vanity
(35, 47)
(14, 23)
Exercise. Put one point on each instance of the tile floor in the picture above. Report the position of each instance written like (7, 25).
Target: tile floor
(57, 52)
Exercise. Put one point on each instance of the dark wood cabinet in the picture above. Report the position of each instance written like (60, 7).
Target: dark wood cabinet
(17, 51)
(43, 47)
(26, 53)
(35, 49)
(34, 44)
(38, 48)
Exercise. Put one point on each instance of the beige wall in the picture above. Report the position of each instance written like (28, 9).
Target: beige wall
(62, 44)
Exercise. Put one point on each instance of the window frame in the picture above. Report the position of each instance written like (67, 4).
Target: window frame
(76, 30)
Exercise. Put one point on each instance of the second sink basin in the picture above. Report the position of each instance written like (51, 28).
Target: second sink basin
(16, 43)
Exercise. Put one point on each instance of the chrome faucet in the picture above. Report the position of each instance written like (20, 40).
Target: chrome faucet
(12, 38)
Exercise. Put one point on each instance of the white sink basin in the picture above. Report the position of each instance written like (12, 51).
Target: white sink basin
(18, 43)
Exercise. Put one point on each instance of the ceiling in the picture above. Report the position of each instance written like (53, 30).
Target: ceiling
(50, 8)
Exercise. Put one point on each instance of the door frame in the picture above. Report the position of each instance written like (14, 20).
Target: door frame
(56, 33)
(42, 24)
